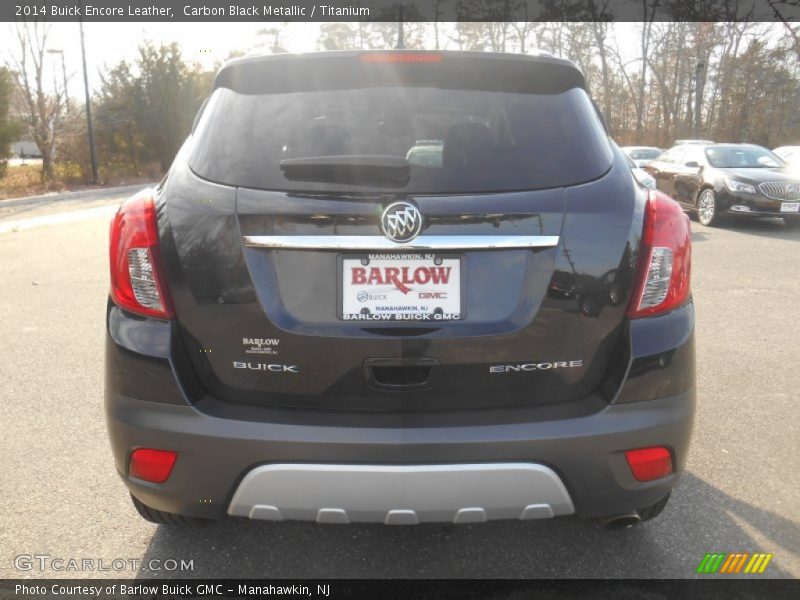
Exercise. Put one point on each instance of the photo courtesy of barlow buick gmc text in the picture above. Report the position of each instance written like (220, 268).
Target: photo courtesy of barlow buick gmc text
(432, 298)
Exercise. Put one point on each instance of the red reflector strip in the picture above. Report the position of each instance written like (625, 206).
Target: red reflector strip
(400, 57)
(151, 465)
(649, 463)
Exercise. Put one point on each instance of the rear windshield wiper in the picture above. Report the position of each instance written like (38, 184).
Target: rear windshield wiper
(392, 171)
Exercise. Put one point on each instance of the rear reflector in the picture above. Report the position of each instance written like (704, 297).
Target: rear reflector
(649, 463)
(400, 57)
(664, 265)
(136, 283)
(151, 465)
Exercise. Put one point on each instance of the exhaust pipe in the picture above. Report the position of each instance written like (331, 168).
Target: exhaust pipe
(622, 521)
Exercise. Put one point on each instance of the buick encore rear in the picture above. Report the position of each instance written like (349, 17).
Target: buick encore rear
(399, 287)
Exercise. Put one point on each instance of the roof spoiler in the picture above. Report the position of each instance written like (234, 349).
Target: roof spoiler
(285, 73)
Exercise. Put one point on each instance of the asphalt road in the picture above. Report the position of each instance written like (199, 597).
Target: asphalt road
(60, 496)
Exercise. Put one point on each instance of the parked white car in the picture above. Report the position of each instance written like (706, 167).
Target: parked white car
(642, 155)
(641, 175)
(790, 154)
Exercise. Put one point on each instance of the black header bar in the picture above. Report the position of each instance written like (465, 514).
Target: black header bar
(391, 10)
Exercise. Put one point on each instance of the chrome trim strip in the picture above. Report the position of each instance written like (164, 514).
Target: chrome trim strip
(377, 242)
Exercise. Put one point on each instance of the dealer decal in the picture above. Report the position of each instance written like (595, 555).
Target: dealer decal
(253, 345)
(401, 278)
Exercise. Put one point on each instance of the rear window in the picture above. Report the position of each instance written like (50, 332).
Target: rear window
(454, 140)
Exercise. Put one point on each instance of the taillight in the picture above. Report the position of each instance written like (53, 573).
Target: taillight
(152, 465)
(137, 284)
(665, 253)
(647, 464)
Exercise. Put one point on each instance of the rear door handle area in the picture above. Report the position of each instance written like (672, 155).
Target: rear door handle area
(398, 374)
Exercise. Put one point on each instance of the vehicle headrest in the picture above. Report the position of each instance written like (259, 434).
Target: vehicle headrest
(466, 144)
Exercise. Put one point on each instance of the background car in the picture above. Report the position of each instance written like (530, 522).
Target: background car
(642, 155)
(718, 180)
(641, 175)
(790, 155)
(678, 142)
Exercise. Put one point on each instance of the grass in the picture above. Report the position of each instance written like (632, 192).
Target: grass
(26, 180)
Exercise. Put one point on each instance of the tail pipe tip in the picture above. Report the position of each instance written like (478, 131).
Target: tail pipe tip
(622, 521)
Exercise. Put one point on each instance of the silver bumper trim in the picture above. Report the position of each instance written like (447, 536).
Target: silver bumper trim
(377, 242)
(401, 495)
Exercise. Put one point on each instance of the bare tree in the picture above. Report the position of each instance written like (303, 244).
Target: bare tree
(273, 35)
(437, 15)
(598, 11)
(383, 35)
(792, 30)
(43, 109)
(338, 36)
(647, 27)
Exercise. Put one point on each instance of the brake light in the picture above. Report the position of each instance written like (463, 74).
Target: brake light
(400, 57)
(647, 464)
(137, 284)
(152, 465)
(664, 265)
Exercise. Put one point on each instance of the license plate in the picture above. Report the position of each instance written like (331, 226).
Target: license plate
(401, 287)
(790, 207)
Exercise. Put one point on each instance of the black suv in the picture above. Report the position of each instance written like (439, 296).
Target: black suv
(352, 298)
(720, 180)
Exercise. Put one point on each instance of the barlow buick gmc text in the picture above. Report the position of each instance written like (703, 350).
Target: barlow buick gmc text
(400, 287)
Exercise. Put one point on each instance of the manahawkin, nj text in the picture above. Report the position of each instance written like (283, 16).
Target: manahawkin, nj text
(89, 10)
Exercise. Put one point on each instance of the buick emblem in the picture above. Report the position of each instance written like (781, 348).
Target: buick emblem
(401, 222)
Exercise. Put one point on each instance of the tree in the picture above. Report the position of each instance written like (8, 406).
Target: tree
(645, 76)
(9, 129)
(166, 96)
(143, 112)
(337, 36)
(792, 30)
(273, 34)
(383, 35)
(43, 109)
(600, 30)
(485, 35)
(437, 17)
(647, 27)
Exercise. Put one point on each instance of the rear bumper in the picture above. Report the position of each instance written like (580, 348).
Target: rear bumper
(216, 454)
(147, 405)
